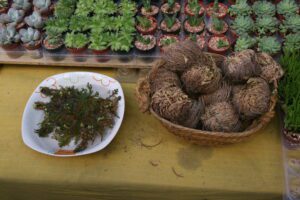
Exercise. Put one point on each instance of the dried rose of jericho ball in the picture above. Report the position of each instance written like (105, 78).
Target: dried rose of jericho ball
(221, 117)
(221, 94)
(253, 99)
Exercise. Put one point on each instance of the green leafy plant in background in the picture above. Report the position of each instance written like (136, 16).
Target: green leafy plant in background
(244, 42)
(243, 24)
(263, 8)
(170, 20)
(104, 7)
(99, 23)
(266, 24)
(79, 23)
(269, 45)
(76, 40)
(84, 7)
(8, 35)
(287, 7)
(292, 43)
(289, 90)
(290, 24)
(127, 8)
(99, 41)
(240, 8)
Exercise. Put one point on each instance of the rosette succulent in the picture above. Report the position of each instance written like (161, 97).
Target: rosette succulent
(64, 9)
(241, 7)
(8, 35)
(12, 15)
(99, 41)
(266, 24)
(244, 42)
(79, 23)
(76, 40)
(42, 5)
(291, 24)
(243, 24)
(21, 5)
(269, 45)
(292, 42)
(85, 7)
(287, 7)
(30, 36)
(104, 7)
(263, 8)
(121, 41)
(34, 20)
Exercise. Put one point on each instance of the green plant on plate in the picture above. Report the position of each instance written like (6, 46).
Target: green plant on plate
(168, 41)
(194, 6)
(84, 7)
(244, 42)
(147, 5)
(8, 35)
(263, 8)
(42, 5)
(64, 9)
(121, 41)
(266, 24)
(143, 39)
(269, 45)
(20, 4)
(170, 20)
(287, 7)
(291, 24)
(12, 16)
(222, 43)
(30, 36)
(3, 3)
(76, 40)
(292, 42)
(144, 22)
(99, 41)
(195, 20)
(127, 8)
(289, 90)
(104, 7)
(217, 23)
(79, 23)
(243, 24)
(34, 20)
(241, 8)
(56, 25)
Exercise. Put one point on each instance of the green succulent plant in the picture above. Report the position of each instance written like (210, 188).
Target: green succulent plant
(240, 8)
(244, 42)
(127, 8)
(128, 24)
(147, 5)
(8, 35)
(100, 23)
(79, 23)
(170, 20)
(266, 24)
(54, 40)
(76, 40)
(194, 6)
(171, 4)
(290, 24)
(121, 41)
(216, 6)
(292, 43)
(64, 8)
(143, 39)
(243, 24)
(168, 41)
(217, 23)
(30, 36)
(144, 22)
(287, 7)
(42, 5)
(269, 45)
(222, 43)
(35, 20)
(3, 4)
(56, 25)
(99, 41)
(195, 20)
(21, 4)
(12, 16)
(263, 8)
(104, 7)
(84, 7)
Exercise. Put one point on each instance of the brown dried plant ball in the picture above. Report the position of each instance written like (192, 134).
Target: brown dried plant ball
(253, 99)
(221, 94)
(270, 69)
(201, 79)
(174, 105)
(162, 78)
(221, 117)
(241, 66)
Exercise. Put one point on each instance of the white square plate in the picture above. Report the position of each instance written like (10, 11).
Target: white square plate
(31, 117)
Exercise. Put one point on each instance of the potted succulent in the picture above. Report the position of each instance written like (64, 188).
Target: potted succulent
(35, 20)
(241, 8)
(217, 26)
(22, 5)
(31, 38)
(216, 8)
(149, 10)
(286, 8)
(9, 37)
(53, 43)
(166, 40)
(266, 25)
(199, 39)
(76, 43)
(218, 44)
(127, 8)
(146, 25)
(84, 8)
(170, 24)
(79, 23)
(292, 42)
(244, 42)
(263, 8)
(290, 25)
(104, 7)
(171, 7)
(193, 7)
(99, 44)
(3, 6)
(269, 44)
(13, 17)
(43, 6)
(145, 43)
(194, 23)
(65, 9)
(243, 24)
(122, 42)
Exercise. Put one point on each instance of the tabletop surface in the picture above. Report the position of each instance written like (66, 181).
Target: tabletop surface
(144, 161)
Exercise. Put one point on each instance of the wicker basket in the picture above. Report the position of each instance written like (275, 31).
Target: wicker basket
(202, 137)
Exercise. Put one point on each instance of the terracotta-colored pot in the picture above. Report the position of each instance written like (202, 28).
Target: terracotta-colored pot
(4, 10)
(210, 5)
(213, 50)
(152, 14)
(37, 45)
(149, 31)
(158, 42)
(10, 46)
(76, 50)
(188, 12)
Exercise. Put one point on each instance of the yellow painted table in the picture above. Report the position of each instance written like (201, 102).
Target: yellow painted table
(129, 168)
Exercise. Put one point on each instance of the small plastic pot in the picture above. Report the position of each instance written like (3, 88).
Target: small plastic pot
(177, 9)
(154, 13)
(163, 36)
(151, 30)
(189, 29)
(100, 55)
(187, 11)
(220, 16)
(12, 50)
(215, 50)
(77, 53)
(164, 29)
(212, 31)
